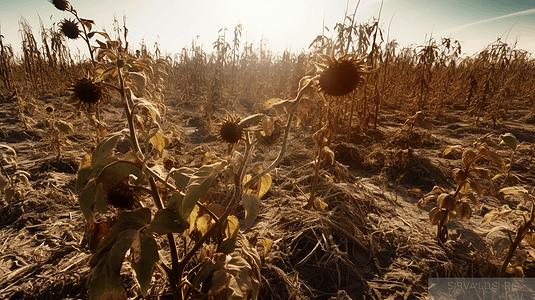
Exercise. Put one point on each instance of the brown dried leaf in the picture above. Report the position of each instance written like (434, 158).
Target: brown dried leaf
(464, 211)
(435, 215)
(492, 215)
(96, 232)
(468, 157)
(476, 187)
(497, 159)
(423, 202)
(450, 149)
(458, 175)
(530, 239)
(436, 191)
(514, 190)
(473, 198)
(446, 201)
(465, 189)
(482, 172)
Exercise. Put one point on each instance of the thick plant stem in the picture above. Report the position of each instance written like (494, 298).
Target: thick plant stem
(154, 189)
(235, 198)
(279, 157)
(310, 203)
(85, 37)
(522, 231)
(519, 237)
(292, 111)
(351, 112)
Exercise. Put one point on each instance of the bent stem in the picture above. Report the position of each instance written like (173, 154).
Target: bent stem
(235, 198)
(310, 203)
(292, 110)
(176, 267)
(522, 231)
(85, 37)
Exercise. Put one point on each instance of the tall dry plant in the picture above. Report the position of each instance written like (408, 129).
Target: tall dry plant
(6, 64)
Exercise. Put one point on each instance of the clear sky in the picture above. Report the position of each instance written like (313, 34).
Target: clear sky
(286, 24)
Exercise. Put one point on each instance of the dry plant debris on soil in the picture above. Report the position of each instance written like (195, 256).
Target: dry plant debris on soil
(341, 218)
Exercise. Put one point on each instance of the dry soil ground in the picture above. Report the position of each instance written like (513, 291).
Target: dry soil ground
(372, 241)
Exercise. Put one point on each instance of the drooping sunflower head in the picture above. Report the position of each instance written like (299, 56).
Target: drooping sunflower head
(122, 195)
(69, 28)
(231, 131)
(61, 4)
(87, 91)
(339, 77)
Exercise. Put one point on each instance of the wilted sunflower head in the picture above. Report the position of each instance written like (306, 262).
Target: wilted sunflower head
(122, 195)
(69, 29)
(87, 91)
(339, 77)
(61, 4)
(231, 131)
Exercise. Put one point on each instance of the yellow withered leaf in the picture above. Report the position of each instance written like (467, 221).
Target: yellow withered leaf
(204, 223)
(232, 225)
(517, 271)
(531, 254)
(158, 141)
(450, 149)
(472, 198)
(482, 172)
(86, 161)
(246, 179)
(459, 175)
(320, 204)
(497, 159)
(514, 190)
(330, 153)
(265, 184)
(446, 201)
(465, 189)
(468, 157)
(476, 186)
(530, 239)
(192, 218)
(490, 216)
(435, 215)
(209, 158)
(266, 243)
(464, 211)
(436, 190)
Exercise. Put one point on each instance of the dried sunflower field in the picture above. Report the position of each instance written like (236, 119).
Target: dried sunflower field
(355, 170)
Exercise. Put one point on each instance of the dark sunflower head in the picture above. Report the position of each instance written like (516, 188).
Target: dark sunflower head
(70, 29)
(231, 131)
(122, 195)
(87, 91)
(339, 77)
(61, 4)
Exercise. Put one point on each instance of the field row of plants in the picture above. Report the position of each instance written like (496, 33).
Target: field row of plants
(140, 203)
